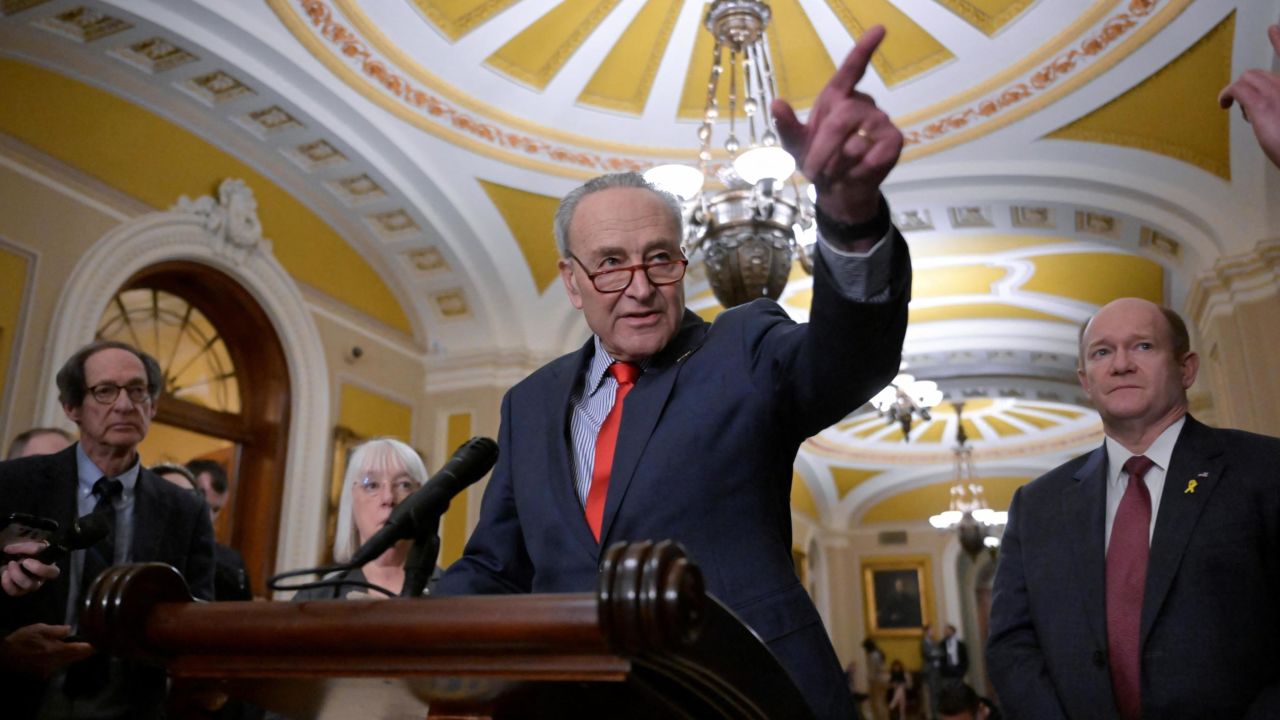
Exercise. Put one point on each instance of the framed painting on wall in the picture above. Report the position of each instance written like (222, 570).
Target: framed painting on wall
(896, 596)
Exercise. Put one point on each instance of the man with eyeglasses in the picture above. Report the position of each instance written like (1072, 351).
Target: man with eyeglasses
(665, 426)
(109, 390)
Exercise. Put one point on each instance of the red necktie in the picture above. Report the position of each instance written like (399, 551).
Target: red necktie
(606, 443)
(1126, 580)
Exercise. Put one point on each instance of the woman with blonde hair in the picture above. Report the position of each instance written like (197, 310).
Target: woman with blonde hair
(380, 475)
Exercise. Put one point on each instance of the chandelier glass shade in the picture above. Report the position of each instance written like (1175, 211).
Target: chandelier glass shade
(968, 512)
(746, 229)
(905, 399)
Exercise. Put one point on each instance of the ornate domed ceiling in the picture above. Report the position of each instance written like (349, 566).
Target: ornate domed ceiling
(408, 155)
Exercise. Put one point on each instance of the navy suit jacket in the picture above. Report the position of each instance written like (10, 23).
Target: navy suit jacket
(1210, 629)
(708, 438)
(170, 525)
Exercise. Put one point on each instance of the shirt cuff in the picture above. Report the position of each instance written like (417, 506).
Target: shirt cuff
(860, 276)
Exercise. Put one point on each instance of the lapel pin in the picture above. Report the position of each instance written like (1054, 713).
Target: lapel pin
(1203, 474)
(1191, 487)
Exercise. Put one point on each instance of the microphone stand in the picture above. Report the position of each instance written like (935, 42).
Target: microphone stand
(422, 558)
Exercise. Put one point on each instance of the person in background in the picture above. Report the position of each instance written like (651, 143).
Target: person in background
(955, 655)
(109, 390)
(899, 685)
(39, 441)
(380, 475)
(230, 579)
(877, 677)
(1258, 92)
(178, 475)
(958, 701)
(931, 655)
(211, 478)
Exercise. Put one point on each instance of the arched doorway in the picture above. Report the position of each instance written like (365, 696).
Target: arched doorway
(226, 393)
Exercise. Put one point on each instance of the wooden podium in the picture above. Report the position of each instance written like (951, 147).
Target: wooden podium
(650, 643)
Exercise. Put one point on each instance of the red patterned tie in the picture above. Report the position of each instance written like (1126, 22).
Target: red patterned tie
(1126, 579)
(606, 443)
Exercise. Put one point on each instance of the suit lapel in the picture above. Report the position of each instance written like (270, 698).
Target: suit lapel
(1198, 455)
(149, 513)
(63, 472)
(560, 464)
(641, 411)
(1084, 512)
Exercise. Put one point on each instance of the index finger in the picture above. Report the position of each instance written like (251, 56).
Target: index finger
(855, 63)
(26, 547)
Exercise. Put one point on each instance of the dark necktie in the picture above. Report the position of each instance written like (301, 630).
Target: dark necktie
(101, 555)
(1126, 579)
(606, 443)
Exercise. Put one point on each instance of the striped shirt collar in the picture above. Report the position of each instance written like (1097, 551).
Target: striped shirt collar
(599, 365)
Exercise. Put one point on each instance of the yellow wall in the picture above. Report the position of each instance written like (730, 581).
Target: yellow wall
(155, 161)
(370, 415)
(453, 528)
(13, 283)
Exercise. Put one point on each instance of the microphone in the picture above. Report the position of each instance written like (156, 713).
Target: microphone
(83, 532)
(421, 511)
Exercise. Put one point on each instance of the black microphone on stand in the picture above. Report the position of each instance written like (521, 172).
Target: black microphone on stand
(420, 513)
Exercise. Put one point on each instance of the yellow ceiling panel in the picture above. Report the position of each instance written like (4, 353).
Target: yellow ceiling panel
(529, 217)
(456, 18)
(709, 313)
(908, 49)
(971, 430)
(801, 63)
(986, 15)
(1097, 278)
(971, 311)
(145, 156)
(932, 433)
(1032, 420)
(919, 503)
(801, 499)
(945, 246)
(846, 479)
(625, 77)
(959, 280)
(873, 428)
(1002, 428)
(972, 405)
(540, 50)
(1064, 412)
(1175, 111)
(801, 299)
(801, 66)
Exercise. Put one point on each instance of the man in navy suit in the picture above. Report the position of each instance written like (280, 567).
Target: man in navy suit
(1132, 587)
(109, 390)
(714, 413)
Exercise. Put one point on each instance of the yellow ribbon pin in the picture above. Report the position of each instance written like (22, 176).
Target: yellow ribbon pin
(1191, 487)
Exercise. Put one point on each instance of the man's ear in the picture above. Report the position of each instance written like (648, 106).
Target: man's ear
(72, 412)
(570, 282)
(1083, 377)
(1190, 368)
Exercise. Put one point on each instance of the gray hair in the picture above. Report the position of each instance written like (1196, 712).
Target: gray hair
(378, 453)
(569, 205)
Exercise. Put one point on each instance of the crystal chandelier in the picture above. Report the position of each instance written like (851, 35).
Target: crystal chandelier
(747, 232)
(968, 512)
(904, 399)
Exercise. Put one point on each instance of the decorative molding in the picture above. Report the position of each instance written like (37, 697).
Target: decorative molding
(84, 24)
(1238, 278)
(232, 220)
(315, 155)
(203, 230)
(970, 217)
(1039, 218)
(216, 87)
(154, 55)
(490, 370)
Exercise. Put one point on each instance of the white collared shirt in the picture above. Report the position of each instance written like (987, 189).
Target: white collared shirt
(1160, 452)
